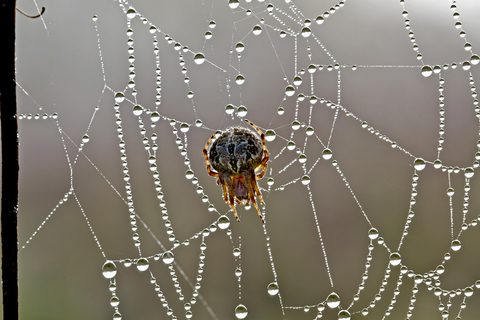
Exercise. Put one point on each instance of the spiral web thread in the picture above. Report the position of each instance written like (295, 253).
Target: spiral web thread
(293, 137)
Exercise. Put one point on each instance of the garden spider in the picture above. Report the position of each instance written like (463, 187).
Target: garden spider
(236, 156)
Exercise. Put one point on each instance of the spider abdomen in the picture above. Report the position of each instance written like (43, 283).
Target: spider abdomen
(235, 151)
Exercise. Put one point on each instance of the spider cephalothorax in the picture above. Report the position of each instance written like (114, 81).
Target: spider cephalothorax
(238, 158)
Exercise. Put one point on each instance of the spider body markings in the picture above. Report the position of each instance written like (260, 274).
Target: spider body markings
(237, 158)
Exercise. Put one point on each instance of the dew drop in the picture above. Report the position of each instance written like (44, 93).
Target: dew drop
(208, 35)
(373, 233)
(241, 312)
(85, 138)
(437, 164)
(280, 111)
(223, 222)
(242, 111)
(233, 4)
(289, 91)
(419, 164)
(168, 257)
(240, 79)
(109, 270)
(297, 81)
(450, 192)
(189, 174)
(270, 135)
(467, 46)
(319, 20)
(184, 127)
(344, 315)
(199, 58)
(240, 47)
(291, 145)
(333, 300)
(427, 71)
(257, 30)
(474, 59)
(272, 288)
(198, 123)
(327, 154)
(142, 264)
(154, 117)
(137, 110)
(456, 245)
(309, 131)
(119, 97)
(306, 32)
(469, 172)
(395, 259)
(131, 13)
(295, 125)
(236, 252)
(229, 109)
(95, 18)
(305, 180)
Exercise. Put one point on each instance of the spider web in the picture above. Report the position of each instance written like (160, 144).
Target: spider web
(371, 117)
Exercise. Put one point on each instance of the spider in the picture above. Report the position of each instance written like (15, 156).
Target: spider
(238, 158)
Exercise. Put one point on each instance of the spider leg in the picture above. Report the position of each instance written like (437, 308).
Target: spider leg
(209, 168)
(252, 189)
(263, 164)
(231, 202)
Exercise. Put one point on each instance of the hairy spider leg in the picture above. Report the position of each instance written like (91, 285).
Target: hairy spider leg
(209, 168)
(250, 182)
(263, 164)
(231, 196)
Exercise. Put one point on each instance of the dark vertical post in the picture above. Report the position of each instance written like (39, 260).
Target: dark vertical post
(9, 139)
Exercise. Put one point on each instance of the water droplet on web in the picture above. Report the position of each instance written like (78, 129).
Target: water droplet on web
(272, 288)
(109, 270)
(373, 233)
(189, 174)
(229, 109)
(95, 18)
(469, 172)
(223, 222)
(131, 13)
(241, 312)
(291, 145)
(456, 245)
(297, 81)
(419, 164)
(114, 301)
(474, 59)
(184, 127)
(117, 316)
(437, 164)
(199, 58)
(154, 117)
(242, 111)
(85, 138)
(119, 97)
(270, 135)
(168, 257)
(233, 4)
(280, 111)
(467, 46)
(450, 192)
(142, 264)
(305, 180)
(257, 30)
(236, 252)
(333, 300)
(295, 125)
(289, 91)
(302, 158)
(327, 154)
(240, 47)
(306, 32)
(395, 259)
(137, 110)
(208, 35)
(344, 315)
(240, 79)
(427, 71)
(319, 20)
